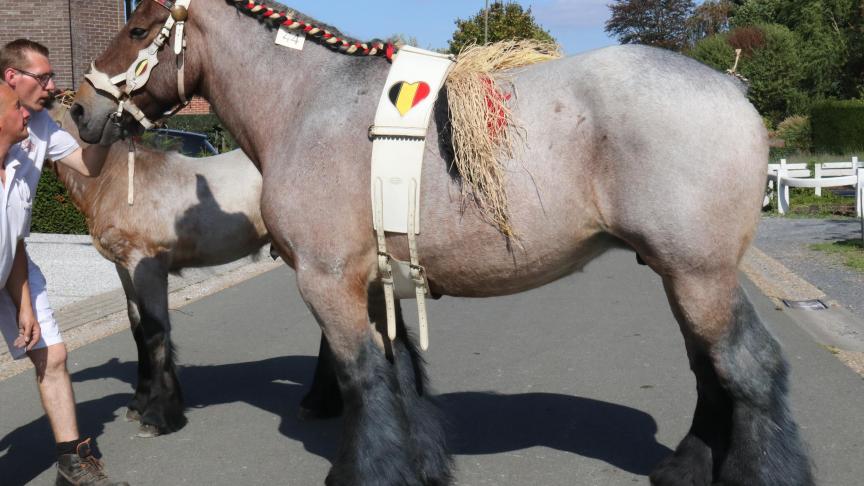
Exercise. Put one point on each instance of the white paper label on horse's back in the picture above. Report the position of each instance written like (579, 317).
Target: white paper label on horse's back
(289, 38)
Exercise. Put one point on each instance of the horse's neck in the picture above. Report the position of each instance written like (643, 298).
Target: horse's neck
(259, 89)
(76, 184)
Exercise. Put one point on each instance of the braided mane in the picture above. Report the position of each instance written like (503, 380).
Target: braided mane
(280, 15)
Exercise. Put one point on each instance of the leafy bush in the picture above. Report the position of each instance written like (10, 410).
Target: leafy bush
(53, 211)
(714, 51)
(838, 126)
(795, 132)
(772, 66)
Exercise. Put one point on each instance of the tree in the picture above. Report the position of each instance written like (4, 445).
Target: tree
(712, 17)
(824, 28)
(770, 62)
(660, 23)
(507, 21)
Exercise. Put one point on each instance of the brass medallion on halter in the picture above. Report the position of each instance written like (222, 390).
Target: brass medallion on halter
(398, 144)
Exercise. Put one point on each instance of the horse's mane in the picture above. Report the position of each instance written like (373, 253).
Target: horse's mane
(277, 14)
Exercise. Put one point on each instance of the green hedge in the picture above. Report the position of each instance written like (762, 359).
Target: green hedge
(53, 211)
(209, 124)
(838, 126)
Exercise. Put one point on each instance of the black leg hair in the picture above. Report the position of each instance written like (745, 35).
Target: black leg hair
(742, 432)
(138, 403)
(426, 422)
(324, 399)
(165, 406)
(765, 442)
(395, 435)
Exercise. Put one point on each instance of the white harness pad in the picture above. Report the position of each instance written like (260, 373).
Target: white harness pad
(398, 144)
(401, 123)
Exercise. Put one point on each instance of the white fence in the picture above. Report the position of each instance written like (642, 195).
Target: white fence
(782, 176)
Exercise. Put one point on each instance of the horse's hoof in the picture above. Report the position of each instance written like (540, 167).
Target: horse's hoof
(133, 415)
(148, 431)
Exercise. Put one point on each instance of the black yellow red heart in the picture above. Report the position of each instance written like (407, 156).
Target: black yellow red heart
(406, 95)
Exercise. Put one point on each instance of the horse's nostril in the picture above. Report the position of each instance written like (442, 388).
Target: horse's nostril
(77, 111)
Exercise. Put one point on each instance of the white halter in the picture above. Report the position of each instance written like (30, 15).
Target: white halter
(139, 72)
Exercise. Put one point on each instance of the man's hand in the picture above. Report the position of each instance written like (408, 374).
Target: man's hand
(29, 331)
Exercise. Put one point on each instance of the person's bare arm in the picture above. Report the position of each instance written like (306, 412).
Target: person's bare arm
(18, 286)
(87, 161)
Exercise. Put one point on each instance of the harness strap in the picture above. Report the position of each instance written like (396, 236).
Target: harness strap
(384, 268)
(418, 273)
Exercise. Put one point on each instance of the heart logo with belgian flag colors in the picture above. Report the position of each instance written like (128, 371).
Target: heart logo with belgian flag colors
(406, 95)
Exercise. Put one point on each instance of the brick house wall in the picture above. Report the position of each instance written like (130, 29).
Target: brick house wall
(94, 25)
(47, 24)
(198, 106)
(74, 31)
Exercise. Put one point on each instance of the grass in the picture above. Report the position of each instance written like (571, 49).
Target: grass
(803, 202)
(851, 251)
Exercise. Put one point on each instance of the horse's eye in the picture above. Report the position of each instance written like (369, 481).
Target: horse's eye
(138, 33)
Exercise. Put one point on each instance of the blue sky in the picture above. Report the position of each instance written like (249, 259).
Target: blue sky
(576, 24)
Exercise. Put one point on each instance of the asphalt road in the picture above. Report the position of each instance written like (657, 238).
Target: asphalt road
(581, 382)
(788, 240)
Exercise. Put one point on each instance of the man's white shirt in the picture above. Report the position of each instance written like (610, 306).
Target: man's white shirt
(17, 203)
(23, 168)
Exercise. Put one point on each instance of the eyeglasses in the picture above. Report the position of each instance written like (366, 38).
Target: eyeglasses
(42, 79)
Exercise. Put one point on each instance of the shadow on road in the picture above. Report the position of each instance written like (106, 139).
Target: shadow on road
(490, 423)
(479, 422)
(29, 449)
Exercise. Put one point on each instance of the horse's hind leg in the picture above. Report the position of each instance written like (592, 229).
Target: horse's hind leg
(742, 431)
(386, 406)
(164, 411)
(138, 403)
(324, 399)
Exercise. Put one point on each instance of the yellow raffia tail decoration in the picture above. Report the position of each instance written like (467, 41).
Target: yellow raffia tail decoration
(484, 131)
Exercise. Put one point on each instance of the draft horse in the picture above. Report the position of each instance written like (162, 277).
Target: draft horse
(626, 146)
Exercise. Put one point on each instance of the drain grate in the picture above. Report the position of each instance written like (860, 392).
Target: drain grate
(810, 305)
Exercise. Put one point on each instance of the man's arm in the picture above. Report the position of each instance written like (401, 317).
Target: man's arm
(19, 289)
(87, 161)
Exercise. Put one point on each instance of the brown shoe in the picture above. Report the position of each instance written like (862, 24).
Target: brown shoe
(82, 469)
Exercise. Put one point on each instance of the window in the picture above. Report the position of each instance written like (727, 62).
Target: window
(130, 7)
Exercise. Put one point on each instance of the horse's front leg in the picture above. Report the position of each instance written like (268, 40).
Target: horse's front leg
(742, 432)
(392, 434)
(138, 403)
(164, 409)
(324, 399)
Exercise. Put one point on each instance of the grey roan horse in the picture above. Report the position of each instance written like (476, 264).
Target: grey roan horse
(626, 147)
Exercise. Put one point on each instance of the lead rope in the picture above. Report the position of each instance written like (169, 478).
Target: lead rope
(130, 159)
(130, 164)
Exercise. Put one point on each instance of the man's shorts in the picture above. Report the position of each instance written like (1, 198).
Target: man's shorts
(44, 314)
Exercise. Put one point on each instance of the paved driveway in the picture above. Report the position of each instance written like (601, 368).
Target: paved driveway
(582, 382)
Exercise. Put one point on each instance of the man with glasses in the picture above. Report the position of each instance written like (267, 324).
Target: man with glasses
(26, 319)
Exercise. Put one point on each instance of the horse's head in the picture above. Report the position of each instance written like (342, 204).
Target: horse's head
(144, 73)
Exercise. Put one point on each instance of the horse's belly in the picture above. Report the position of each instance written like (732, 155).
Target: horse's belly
(474, 270)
